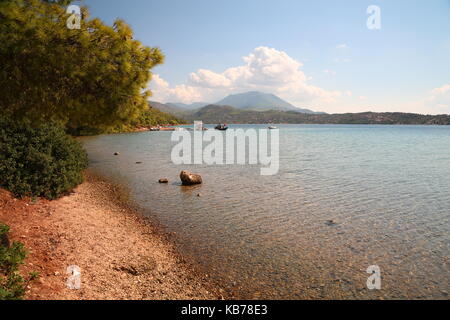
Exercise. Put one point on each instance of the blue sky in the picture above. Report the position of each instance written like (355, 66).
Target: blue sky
(316, 54)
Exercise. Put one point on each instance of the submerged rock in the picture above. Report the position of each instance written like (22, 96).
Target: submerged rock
(164, 180)
(116, 153)
(190, 179)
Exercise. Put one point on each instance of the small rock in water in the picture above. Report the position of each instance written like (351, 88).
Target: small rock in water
(116, 153)
(190, 179)
(331, 223)
(138, 162)
(164, 180)
(199, 195)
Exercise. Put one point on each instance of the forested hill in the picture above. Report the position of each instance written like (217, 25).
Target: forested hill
(227, 114)
(149, 117)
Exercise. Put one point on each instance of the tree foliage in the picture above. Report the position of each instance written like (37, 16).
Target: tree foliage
(96, 76)
(149, 117)
(154, 117)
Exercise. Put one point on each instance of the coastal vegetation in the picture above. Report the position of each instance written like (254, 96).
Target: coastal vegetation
(12, 283)
(55, 82)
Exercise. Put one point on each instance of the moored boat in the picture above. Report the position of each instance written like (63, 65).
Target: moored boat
(221, 127)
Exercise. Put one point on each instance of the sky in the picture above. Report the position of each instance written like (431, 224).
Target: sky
(314, 54)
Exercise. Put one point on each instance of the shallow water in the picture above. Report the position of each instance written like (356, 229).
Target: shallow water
(387, 188)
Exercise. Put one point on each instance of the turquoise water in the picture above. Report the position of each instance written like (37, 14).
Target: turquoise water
(387, 188)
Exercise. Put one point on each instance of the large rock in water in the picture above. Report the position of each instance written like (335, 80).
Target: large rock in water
(190, 179)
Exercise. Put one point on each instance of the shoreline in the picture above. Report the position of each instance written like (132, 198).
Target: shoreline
(121, 254)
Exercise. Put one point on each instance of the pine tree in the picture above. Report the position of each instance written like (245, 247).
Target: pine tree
(95, 76)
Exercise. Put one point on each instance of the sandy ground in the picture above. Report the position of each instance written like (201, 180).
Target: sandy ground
(121, 256)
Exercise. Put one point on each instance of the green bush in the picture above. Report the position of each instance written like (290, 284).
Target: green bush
(12, 284)
(41, 161)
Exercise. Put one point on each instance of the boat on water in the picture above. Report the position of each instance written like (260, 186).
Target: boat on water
(221, 127)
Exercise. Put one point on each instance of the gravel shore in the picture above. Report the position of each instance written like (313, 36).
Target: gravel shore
(120, 254)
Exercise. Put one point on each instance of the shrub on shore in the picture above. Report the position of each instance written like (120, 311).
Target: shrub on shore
(12, 283)
(39, 161)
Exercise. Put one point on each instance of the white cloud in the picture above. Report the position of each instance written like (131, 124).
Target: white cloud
(439, 99)
(209, 79)
(329, 72)
(435, 101)
(182, 93)
(341, 46)
(264, 69)
(445, 89)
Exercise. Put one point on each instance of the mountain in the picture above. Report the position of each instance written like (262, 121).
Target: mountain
(253, 100)
(259, 101)
(226, 114)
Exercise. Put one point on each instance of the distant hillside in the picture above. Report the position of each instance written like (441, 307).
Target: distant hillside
(259, 101)
(226, 114)
(192, 106)
(153, 117)
(167, 108)
(173, 110)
